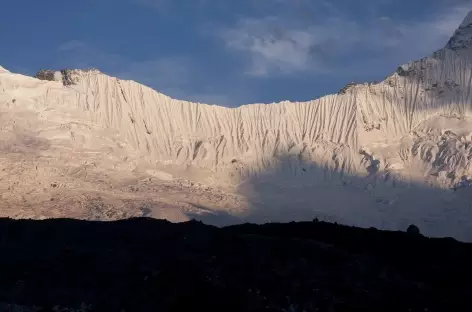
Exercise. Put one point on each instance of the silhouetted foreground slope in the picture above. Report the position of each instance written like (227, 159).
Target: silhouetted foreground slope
(152, 265)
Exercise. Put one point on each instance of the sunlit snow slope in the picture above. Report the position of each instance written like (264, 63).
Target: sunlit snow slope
(384, 154)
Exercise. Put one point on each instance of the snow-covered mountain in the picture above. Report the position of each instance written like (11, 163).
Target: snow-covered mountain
(384, 154)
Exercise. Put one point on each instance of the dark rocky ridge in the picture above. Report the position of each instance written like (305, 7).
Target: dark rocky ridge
(49, 75)
(45, 74)
(153, 265)
(68, 76)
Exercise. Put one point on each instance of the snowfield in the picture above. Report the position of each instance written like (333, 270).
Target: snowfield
(82, 144)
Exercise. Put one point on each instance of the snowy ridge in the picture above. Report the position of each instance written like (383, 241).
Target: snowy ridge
(208, 136)
(372, 142)
(255, 136)
(250, 139)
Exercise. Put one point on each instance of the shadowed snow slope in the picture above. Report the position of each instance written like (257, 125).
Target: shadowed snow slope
(413, 127)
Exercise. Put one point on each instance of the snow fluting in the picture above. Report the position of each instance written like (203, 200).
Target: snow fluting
(383, 154)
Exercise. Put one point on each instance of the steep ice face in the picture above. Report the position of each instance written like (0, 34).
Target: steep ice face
(365, 141)
(462, 38)
(256, 137)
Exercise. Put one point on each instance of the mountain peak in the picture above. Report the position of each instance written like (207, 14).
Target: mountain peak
(462, 38)
(3, 70)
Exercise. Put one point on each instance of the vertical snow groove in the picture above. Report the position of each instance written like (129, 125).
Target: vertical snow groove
(190, 133)
(180, 132)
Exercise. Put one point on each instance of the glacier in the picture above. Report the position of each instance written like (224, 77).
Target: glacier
(383, 154)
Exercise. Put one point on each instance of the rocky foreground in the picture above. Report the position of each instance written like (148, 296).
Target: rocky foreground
(153, 265)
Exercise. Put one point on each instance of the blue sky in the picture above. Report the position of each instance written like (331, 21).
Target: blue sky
(225, 51)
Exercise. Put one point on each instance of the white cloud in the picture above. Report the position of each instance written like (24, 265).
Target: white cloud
(270, 46)
(276, 45)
